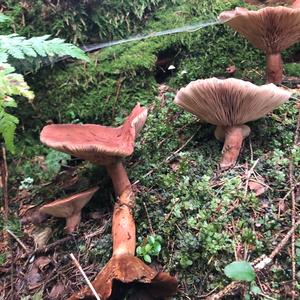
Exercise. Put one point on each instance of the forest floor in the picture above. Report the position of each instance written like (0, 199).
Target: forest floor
(202, 217)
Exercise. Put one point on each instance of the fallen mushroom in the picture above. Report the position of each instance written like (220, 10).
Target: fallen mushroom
(68, 208)
(271, 29)
(229, 104)
(99, 144)
(124, 269)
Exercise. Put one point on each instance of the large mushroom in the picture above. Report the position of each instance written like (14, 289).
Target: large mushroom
(229, 104)
(99, 144)
(124, 269)
(271, 29)
(68, 208)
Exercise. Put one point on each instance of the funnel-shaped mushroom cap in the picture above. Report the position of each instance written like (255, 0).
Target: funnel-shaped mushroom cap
(271, 29)
(229, 102)
(96, 143)
(129, 269)
(296, 4)
(67, 207)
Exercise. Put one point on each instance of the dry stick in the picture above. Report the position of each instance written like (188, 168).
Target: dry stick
(84, 275)
(17, 239)
(4, 176)
(169, 157)
(249, 173)
(293, 197)
(148, 218)
(264, 261)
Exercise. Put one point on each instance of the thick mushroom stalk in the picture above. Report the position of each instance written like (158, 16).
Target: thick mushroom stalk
(233, 139)
(271, 29)
(98, 144)
(124, 269)
(229, 104)
(274, 72)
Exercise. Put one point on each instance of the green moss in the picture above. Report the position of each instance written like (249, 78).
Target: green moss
(292, 69)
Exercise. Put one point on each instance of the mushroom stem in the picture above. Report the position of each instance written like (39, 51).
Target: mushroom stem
(274, 68)
(119, 177)
(123, 225)
(72, 222)
(234, 136)
(123, 267)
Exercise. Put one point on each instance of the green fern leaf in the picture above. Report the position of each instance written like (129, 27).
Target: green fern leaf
(8, 124)
(4, 18)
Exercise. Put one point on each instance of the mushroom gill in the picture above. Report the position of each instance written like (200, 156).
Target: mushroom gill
(229, 104)
(271, 29)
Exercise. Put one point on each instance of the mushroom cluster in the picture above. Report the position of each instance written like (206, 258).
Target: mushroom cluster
(229, 104)
(270, 29)
(107, 146)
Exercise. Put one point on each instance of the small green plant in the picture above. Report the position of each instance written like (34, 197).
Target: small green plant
(150, 247)
(243, 271)
(13, 84)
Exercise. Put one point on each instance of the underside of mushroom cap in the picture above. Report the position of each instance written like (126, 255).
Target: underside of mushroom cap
(67, 207)
(229, 102)
(271, 29)
(129, 269)
(96, 143)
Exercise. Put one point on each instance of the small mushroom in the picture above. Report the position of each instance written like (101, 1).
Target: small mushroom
(68, 208)
(271, 29)
(99, 144)
(229, 104)
(124, 269)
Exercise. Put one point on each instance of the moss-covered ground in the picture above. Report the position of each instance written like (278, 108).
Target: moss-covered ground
(206, 218)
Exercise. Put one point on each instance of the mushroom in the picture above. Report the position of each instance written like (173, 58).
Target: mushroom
(229, 104)
(124, 269)
(99, 144)
(271, 29)
(69, 208)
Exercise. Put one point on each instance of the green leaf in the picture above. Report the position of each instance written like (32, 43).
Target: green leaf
(4, 18)
(240, 270)
(139, 251)
(147, 248)
(255, 290)
(147, 258)
(151, 239)
(156, 248)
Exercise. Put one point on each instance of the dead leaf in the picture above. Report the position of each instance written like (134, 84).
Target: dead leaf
(57, 291)
(258, 187)
(41, 236)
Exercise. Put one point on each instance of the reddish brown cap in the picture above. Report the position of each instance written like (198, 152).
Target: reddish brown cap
(96, 143)
(67, 207)
(229, 102)
(271, 29)
(129, 269)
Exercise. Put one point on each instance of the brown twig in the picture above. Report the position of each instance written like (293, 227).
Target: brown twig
(17, 239)
(249, 173)
(84, 276)
(263, 262)
(4, 177)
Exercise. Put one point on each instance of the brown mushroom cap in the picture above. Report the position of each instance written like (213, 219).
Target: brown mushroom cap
(129, 269)
(67, 207)
(271, 29)
(96, 143)
(229, 102)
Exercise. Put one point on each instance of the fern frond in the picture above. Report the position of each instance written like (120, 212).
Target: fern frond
(19, 47)
(10, 84)
(4, 18)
